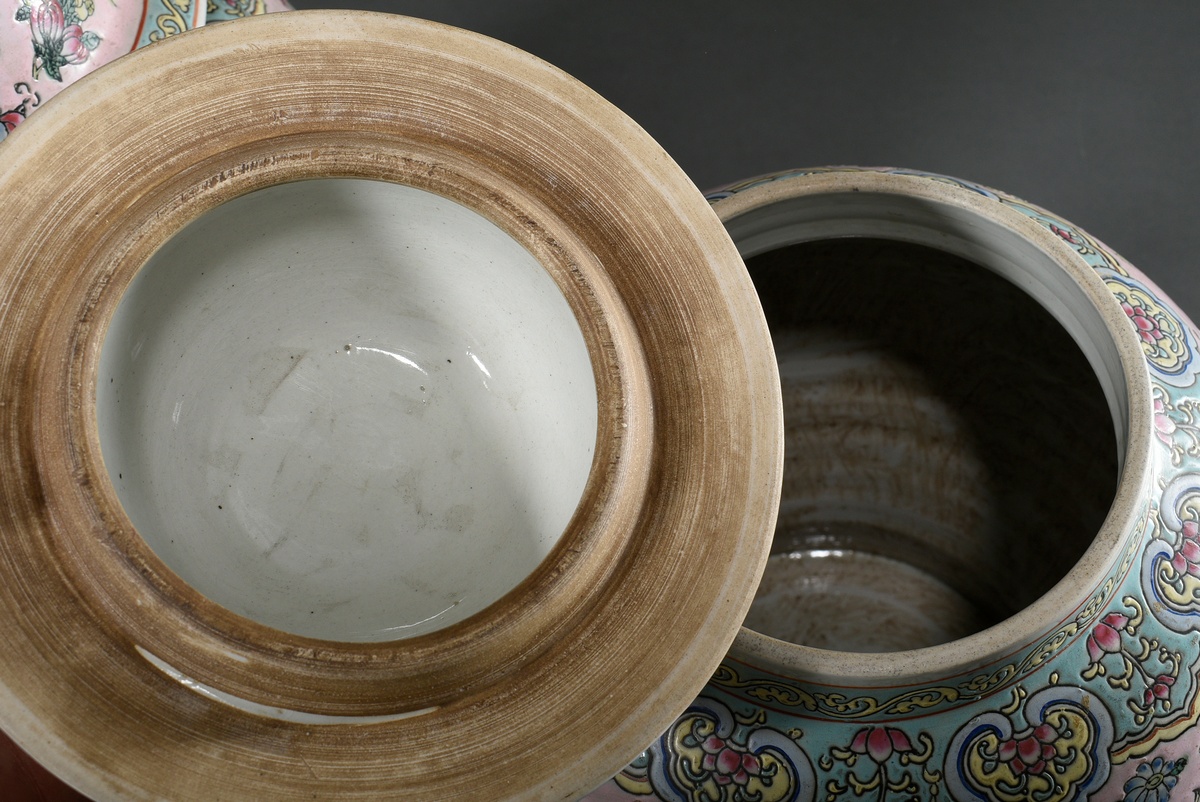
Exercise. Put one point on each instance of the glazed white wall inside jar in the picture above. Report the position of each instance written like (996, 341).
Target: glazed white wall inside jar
(347, 409)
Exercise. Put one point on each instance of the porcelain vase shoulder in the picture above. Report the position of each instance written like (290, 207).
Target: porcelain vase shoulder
(972, 596)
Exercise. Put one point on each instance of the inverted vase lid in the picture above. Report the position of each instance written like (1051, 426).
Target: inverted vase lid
(124, 678)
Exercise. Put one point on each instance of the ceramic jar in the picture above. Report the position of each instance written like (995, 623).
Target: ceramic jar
(985, 583)
(47, 44)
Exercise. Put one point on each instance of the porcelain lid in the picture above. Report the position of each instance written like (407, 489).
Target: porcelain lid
(127, 681)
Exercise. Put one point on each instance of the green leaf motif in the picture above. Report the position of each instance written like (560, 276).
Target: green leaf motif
(90, 40)
(23, 13)
(52, 61)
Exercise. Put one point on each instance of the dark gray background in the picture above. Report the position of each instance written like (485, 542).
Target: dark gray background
(1088, 109)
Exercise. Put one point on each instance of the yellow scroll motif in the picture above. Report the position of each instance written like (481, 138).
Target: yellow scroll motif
(1164, 340)
(1057, 778)
(1181, 591)
(238, 8)
(710, 769)
(634, 782)
(173, 22)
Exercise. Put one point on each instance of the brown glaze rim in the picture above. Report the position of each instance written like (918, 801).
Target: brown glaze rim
(543, 694)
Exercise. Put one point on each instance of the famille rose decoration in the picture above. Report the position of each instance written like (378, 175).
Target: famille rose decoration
(47, 44)
(985, 584)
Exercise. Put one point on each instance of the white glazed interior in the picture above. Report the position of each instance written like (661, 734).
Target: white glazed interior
(347, 409)
(1028, 257)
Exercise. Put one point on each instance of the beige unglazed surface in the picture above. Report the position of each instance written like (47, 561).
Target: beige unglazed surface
(540, 695)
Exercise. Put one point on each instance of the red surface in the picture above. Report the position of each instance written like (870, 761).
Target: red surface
(23, 780)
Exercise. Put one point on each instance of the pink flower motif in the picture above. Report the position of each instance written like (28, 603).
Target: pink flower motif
(55, 44)
(727, 763)
(1164, 426)
(1186, 558)
(878, 743)
(73, 49)
(1160, 690)
(1029, 754)
(1106, 636)
(1146, 326)
(10, 120)
(1069, 236)
(47, 23)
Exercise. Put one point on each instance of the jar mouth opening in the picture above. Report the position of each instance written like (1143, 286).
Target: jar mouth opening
(905, 524)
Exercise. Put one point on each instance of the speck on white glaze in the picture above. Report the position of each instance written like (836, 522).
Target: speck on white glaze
(347, 409)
